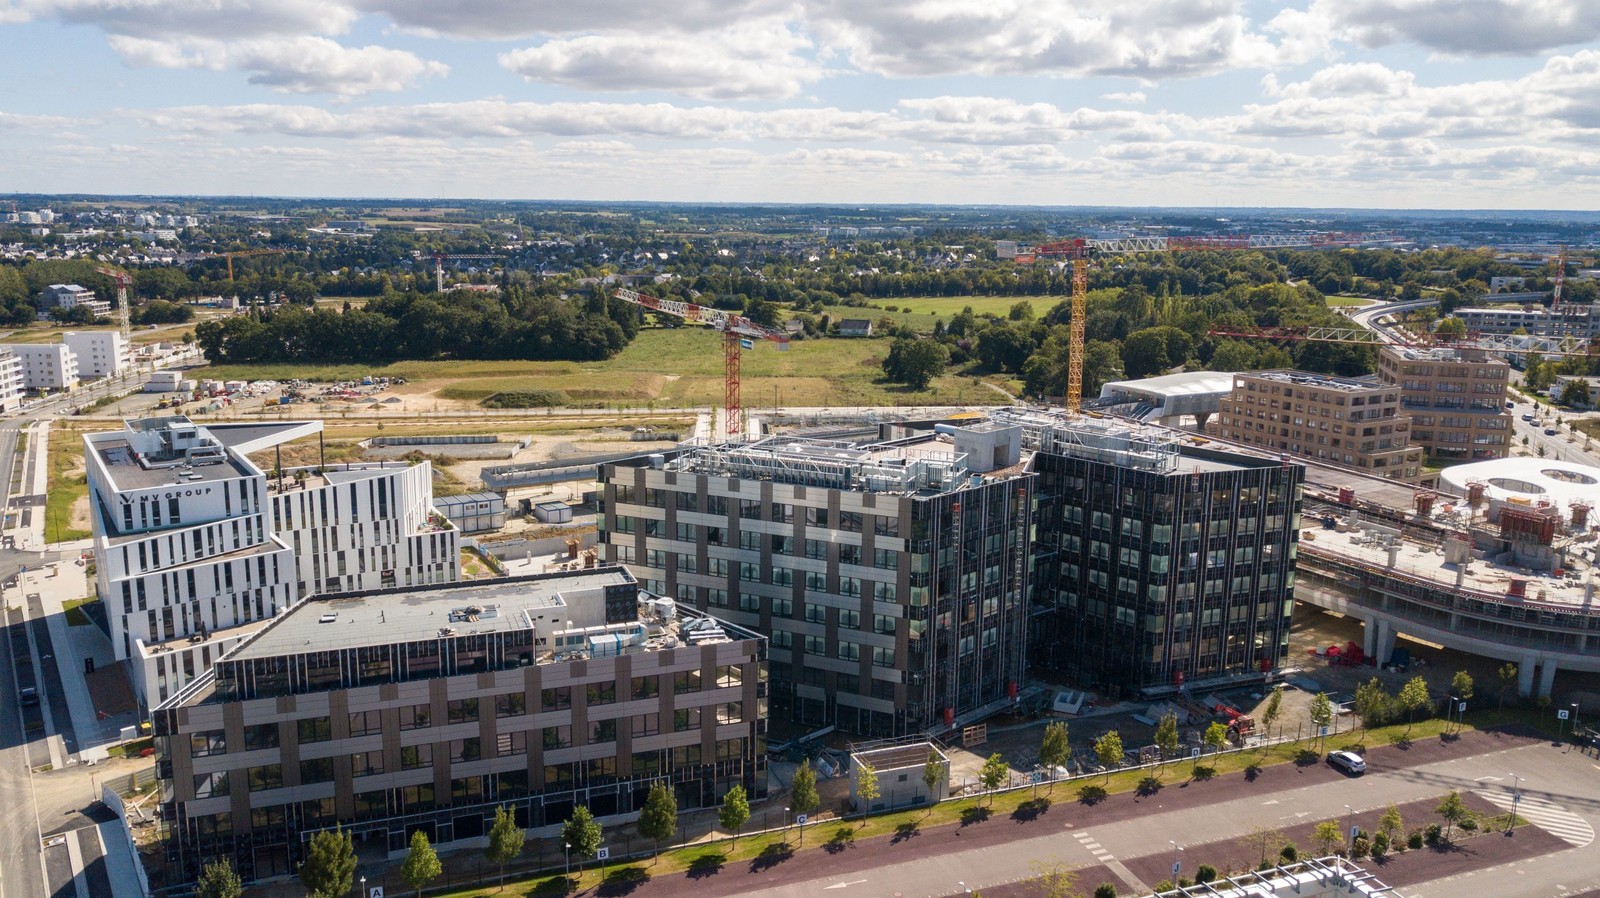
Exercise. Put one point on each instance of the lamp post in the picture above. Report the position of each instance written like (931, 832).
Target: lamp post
(1350, 829)
(786, 823)
(568, 847)
(1177, 865)
(1516, 796)
(363, 892)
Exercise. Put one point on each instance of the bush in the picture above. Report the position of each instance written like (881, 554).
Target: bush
(1184, 882)
(1164, 885)
(1266, 864)
(1091, 794)
(1105, 890)
(1359, 847)
(1469, 823)
(1289, 854)
(1203, 772)
(1205, 873)
(1433, 834)
(1380, 845)
(1414, 841)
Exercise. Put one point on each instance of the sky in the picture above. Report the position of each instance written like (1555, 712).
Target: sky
(1444, 104)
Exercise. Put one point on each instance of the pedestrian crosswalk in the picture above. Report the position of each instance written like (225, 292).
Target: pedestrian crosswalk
(1094, 848)
(1548, 816)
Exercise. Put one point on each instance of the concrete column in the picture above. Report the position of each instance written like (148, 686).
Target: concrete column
(1369, 638)
(1385, 642)
(1525, 675)
(1547, 676)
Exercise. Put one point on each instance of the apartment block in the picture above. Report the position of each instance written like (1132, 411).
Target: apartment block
(1348, 421)
(47, 366)
(189, 563)
(427, 708)
(11, 388)
(100, 353)
(1456, 399)
(1571, 319)
(890, 576)
(1159, 564)
(71, 296)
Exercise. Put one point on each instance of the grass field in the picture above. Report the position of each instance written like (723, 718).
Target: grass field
(1333, 301)
(673, 368)
(67, 484)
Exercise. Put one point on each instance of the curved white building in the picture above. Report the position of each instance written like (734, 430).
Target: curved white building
(1526, 482)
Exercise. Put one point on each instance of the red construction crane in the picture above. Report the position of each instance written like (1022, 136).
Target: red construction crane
(124, 314)
(1522, 344)
(738, 333)
(1080, 251)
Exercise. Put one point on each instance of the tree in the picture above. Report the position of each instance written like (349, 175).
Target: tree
(1267, 841)
(1105, 890)
(993, 773)
(867, 788)
(932, 776)
(506, 841)
(421, 865)
(735, 810)
(1021, 311)
(1414, 697)
(218, 880)
(1167, 735)
(1391, 824)
(803, 798)
(1451, 810)
(915, 363)
(1451, 327)
(1372, 703)
(582, 833)
(1054, 880)
(330, 864)
(1273, 710)
(1327, 835)
(1321, 712)
(1054, 750)
(1216, 736)
(1108, 751)
(1576, 394)
(659, 818)
(1508, 676)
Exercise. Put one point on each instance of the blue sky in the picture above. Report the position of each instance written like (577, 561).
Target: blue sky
(1362, 103)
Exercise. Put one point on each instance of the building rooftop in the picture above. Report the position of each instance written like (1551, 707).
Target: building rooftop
(1187, 383)
(916, 464)
(127, 474)
(1320, 381)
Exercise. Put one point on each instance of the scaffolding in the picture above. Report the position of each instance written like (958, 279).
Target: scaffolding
(1097, 439)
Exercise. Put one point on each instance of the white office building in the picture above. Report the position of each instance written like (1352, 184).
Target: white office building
(10, 382)
(100, 353)
(189, 562)
(47, 366)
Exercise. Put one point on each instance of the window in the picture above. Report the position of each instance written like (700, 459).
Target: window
(365, 722)
(688, 502)
(462, 710)
(850, 521)
(886, 526)
(750, 539)
(883, 623)
(646, 724)
(817, 517)
(267, 776)
(782, 513)
(750, 571)
(317, 770)
(413, 757)
(601, 693)
(816, 614)
(470, 749)
(850, 586)
(816, 549)
(686, 681)
(685, 719)
(749, 602)
(646, 687)
(314, 729)
(782, 545)
(882, 656)
(556, 699)
(849, 554)
(507, 744)
(511, 704)
(816, 581)
(556, 737)
(602, 731)
(781, 639)
(849, 651)
(729, 675)
(686, 756)
(270, 816)
(261, 735)
(887, 559)
(210, 742)
(730, 712)
(816, 645)
(416, 717)
(366, 763)
(782, 576)
(849, 619)
(211, 785)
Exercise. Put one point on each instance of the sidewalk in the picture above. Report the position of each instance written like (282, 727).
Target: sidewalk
(31, 537)
(72, 645)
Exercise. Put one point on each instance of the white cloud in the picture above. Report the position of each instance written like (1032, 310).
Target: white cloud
(292, 65)
(1130, 96)
(1472, 28)
(163, 19)
(509, 19)
(750, 60)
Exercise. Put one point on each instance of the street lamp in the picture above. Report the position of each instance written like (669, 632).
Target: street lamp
(1350, 829)
(363, 892)
(568, 847)
(1516, 796)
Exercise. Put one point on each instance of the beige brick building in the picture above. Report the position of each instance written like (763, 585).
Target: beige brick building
(1354, 422)
(1456, 399)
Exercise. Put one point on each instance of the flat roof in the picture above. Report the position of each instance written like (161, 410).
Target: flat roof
(1528, 481)
(1187, 383)
(1321, 381)
(127, 474)
(417, 613)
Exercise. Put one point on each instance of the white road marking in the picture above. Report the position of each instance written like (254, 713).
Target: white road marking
(840, 885)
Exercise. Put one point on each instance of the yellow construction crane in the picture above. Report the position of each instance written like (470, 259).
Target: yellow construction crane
(249, 252)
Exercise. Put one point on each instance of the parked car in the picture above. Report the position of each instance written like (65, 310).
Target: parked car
(1348, 761)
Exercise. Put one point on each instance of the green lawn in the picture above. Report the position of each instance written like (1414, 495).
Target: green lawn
(1346, 300)
(73, 609)
(680, 367)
